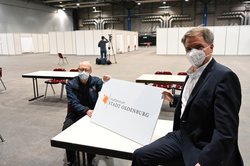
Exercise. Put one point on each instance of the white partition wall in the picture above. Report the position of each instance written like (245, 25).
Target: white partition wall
(181, 49)
(35, 42)
(27, 43)
(52, 43)
(11, 43)
(244, 41)
(219, 40)
(60, 42)
(161, 41)
(80, 43)
(3, 44)
(89, 42)
(68, 42)
(17, 43)
(85, 42)
(172, 41)
(232, 38)
(228, 40)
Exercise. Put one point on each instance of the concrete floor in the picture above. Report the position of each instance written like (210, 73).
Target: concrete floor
(28, 127)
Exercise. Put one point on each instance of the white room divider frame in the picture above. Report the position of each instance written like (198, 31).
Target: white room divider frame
(228, 40)
(85, 42)
(18, 43)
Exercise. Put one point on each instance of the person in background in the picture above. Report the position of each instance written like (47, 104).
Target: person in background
(82, 95)
(103, 49)
(206, 120)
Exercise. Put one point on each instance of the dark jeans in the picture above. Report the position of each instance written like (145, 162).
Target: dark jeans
(71, 155)
(164, 151)
(104, 54)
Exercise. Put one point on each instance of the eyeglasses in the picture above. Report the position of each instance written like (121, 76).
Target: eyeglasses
(82, 69)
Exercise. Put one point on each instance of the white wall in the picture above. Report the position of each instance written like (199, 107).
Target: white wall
(228, 40)
(26, 17)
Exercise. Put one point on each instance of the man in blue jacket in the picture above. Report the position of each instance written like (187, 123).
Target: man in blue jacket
(206, 118)
(82, 94)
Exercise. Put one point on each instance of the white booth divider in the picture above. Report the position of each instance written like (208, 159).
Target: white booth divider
(80, 46)
(229, 40)
(15, 43)
(10, 43)
(85, 42)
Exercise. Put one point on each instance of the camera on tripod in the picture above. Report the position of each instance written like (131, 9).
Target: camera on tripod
(110, 37)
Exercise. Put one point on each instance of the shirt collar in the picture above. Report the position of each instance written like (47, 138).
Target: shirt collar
(194, 72)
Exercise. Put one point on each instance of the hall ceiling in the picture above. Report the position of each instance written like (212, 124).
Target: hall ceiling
(71, 4)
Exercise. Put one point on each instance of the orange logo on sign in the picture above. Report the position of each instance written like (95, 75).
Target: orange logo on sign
(105, 99)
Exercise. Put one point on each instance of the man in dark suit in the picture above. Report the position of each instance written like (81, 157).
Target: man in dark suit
(206, 120)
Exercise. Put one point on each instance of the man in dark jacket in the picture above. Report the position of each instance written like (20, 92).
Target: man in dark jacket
(206, 118)
(103, 49)
(82, 94)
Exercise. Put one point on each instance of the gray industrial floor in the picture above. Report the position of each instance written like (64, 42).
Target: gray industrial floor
(28, 127)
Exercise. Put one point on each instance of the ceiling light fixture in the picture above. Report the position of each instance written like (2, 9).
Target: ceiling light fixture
(77, 4)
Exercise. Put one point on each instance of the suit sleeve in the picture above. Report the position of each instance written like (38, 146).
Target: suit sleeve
(227, 103)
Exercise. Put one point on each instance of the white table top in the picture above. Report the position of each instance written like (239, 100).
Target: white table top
(158, 78)
(85, 135)
(51, 74)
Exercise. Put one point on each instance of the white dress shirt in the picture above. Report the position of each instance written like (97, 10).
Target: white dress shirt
(194, 75)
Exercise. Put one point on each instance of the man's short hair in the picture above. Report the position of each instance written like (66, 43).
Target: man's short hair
(103, 37)
(207, 34)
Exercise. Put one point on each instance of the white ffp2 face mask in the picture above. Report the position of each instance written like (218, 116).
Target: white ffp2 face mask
(196, 57)
(83, 76)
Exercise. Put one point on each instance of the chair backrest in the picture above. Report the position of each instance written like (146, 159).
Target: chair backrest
(73, 70)
(59, 69)
(182, 73)
(163, 72)
(60, 55)
(0, 72)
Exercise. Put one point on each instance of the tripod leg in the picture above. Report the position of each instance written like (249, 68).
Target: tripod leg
(113, 51)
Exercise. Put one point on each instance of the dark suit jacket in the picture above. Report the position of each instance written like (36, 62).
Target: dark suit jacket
(209, 124)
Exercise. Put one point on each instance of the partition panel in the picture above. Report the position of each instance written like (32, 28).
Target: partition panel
(80, 43)
(161, 41)
(232, 39)
(35, 42)
(244, 41)
(73, 34)
(11, 44)
(27, 43)
(89, 42)
(172, 41)
(135, 41)
(68, 43)
(17, 41)
(60, 42)
(40, 43)
(3, 44)
(219, 40)
(45, 42)
(52, 43)
(181, 33)
(119, 43)
(128, 42)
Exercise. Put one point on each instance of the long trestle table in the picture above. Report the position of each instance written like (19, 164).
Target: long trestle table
(47, 75)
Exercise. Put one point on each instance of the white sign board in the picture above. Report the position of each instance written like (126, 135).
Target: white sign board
(129, 109)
